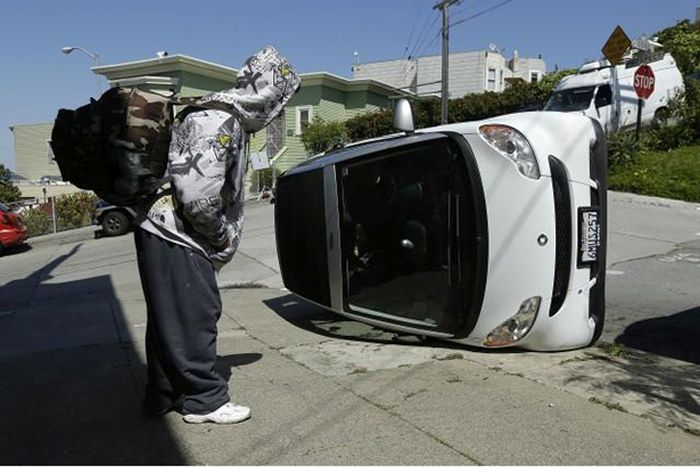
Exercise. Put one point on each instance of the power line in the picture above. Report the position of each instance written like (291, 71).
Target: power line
(422, 84)
(413, 27)
(420, 39)
(481, 13)
(468, 7)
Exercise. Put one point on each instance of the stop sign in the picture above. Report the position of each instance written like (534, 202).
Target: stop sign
(644, 81)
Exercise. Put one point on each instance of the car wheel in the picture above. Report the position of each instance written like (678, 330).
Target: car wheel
(115, 223)
(661, 117)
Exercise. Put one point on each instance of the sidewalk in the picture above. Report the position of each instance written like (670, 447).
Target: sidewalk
(324, 390)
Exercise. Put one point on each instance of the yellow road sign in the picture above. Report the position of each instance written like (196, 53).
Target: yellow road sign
(616, 46)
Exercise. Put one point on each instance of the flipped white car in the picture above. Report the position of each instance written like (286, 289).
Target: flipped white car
(488, 233)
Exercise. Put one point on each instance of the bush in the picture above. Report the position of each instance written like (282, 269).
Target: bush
(370, 125)
(75, 210)
(321, 136)
(38, 221)
(667, 137)
(623, 148)
(265, 177)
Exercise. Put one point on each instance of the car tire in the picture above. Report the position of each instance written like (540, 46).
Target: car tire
(661, 117)
(115, 223)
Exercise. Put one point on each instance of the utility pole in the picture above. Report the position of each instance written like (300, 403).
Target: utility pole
(444, 5)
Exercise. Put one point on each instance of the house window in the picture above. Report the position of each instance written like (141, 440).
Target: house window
(491, 80)
(534, 76)
(304, 116)
(501, 80)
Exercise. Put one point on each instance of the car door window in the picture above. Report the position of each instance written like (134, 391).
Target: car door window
(398, 225)
(604, 96)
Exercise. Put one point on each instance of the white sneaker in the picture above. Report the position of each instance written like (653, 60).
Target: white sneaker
(226, 414)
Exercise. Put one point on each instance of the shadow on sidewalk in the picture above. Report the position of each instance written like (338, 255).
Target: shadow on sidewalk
(665, 374)
(71, 379)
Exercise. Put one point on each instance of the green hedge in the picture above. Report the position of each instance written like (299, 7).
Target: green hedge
(75, 210)
(37, 220)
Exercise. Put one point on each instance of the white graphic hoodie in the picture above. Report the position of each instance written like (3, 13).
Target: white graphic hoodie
(203, 207)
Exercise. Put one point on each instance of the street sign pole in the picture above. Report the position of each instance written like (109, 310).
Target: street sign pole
(617, 102)
(444, 6)
(640, 103)
(614, 49)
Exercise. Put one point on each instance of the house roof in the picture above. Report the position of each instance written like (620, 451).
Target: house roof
(344, 84)
(170, 63)
(141, 71)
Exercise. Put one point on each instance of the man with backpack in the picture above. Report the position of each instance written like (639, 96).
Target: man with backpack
(193, 227)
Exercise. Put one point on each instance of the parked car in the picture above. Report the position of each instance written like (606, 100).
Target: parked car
(595, 92)
(489, 233)
(115, 220)
(12, 230)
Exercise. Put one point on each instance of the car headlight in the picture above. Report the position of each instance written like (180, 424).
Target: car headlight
(515, 327)
(512, 144)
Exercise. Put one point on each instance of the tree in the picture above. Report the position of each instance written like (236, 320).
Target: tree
(683, 42)
(321, 136)
(9, 193)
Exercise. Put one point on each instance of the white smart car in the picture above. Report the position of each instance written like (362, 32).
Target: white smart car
(489, 233)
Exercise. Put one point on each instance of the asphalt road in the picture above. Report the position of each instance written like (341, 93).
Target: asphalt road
(65, 294)
(653, 297)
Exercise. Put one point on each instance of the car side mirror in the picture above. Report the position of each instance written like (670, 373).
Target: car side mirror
(403, 116)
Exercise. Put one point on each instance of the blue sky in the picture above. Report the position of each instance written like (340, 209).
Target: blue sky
(316, 35)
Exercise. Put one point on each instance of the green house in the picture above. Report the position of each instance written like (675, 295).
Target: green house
(321, 95)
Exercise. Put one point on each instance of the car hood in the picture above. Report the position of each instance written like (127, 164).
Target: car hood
(549, 133)
(520, 212)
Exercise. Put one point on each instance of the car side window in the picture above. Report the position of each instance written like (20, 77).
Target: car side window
(604, 96)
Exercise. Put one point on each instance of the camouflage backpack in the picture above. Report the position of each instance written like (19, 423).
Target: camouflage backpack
(116, 146)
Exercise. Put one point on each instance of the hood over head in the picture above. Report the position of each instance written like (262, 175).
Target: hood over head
(263, 87)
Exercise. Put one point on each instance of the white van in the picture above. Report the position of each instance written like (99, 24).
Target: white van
(593, 91)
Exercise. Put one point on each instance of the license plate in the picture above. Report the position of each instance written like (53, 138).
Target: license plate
(588, 235)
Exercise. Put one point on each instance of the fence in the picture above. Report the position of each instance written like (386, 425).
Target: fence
(58, 213)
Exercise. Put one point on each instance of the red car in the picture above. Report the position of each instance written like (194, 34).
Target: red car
(12, 231)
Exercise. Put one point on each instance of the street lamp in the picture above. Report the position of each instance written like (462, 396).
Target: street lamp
(95, 58)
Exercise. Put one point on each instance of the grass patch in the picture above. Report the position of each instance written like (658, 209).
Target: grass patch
(673, 174)
(452, 356)
(587, 357)
(609, 405)
(614, 350)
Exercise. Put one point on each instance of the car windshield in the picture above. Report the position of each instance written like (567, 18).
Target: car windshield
(571, 100)
(4, 208)
(405, 261)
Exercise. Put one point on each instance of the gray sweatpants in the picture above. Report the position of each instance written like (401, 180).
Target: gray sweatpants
(184, 306)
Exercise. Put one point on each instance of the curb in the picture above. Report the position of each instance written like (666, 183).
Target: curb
(68, 236)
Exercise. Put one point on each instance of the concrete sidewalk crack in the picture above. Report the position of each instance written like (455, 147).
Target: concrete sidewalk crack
(384, 409)
(253, 258)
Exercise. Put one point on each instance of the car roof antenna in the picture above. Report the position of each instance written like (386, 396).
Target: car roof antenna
(403, 116)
